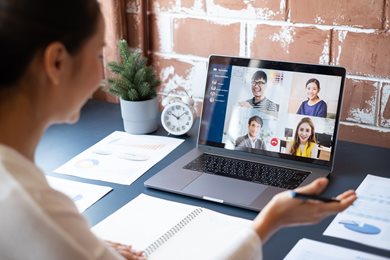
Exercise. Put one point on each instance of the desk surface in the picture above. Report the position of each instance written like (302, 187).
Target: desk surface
(98, 119)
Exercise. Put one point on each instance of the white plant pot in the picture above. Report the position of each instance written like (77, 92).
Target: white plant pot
(140, 117)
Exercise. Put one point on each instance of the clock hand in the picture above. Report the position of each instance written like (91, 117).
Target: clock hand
(175, 116)
(182, 114)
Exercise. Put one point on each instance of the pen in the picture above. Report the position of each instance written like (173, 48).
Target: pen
(298, 195)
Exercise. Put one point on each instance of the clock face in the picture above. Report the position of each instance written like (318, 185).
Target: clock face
(177, 118)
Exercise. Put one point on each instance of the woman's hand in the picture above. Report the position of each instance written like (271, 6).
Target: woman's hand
(126, 251)
(283, 210)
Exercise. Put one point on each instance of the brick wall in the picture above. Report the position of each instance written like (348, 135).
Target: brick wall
(354, 34)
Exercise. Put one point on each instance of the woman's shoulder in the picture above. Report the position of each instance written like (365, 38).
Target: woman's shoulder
(321, 102)
(304, 103)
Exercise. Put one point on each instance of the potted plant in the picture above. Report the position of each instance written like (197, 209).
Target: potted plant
(136, 85)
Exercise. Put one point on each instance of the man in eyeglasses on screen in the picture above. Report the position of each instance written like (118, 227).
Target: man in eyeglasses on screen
(259, 101)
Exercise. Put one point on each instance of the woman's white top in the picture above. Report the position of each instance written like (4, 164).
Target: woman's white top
(38, 222)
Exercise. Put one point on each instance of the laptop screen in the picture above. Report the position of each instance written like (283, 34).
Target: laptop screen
(278, 109)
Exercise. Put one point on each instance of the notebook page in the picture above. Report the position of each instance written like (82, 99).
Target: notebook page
(209, 233)
(142, 221)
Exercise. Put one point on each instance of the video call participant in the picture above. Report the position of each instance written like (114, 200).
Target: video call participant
(259, 101)
(304, 143)
(313, 106)
(252, 139)
(47, 76)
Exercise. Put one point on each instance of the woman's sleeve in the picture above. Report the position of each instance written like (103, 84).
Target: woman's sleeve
(323, 110)
(300, 109)
(245, 246)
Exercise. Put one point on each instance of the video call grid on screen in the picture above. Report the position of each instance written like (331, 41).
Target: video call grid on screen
(229, 86)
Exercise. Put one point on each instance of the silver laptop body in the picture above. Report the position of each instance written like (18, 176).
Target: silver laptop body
(233, 86)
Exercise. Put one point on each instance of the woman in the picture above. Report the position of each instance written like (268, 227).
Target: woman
(50, 53)
(313, 106)
(304, 143)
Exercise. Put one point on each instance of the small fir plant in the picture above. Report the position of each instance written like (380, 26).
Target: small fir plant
(135, 81)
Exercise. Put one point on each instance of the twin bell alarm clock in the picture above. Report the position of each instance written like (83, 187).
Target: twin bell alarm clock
(178, 115)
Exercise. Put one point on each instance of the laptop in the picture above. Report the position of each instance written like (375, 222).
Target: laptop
(244, 161)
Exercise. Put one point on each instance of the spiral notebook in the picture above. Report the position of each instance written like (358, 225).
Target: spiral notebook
(170, 230)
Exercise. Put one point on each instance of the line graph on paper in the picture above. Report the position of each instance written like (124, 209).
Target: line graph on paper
(137, 145)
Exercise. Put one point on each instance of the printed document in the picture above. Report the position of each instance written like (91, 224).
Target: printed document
(367, 221)
(307, 249)
(120, 157)
(83, 195)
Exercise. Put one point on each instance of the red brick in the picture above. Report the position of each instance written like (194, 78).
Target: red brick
(133, 6)
(387, 16)
(362, 53)
(197, 105)
(154, 34)
(176, 74)
(360, 101)
(193, 4)
(162, 5)
(291, 43)
(202, 38)
(177, 69)
(134, 35)
(265, 10)
(357, 13)
(362, 135)
(187, 6)
(233, 5)
(385, 106)
(115, 29)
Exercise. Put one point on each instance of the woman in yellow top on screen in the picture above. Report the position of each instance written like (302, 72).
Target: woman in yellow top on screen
(304, 143)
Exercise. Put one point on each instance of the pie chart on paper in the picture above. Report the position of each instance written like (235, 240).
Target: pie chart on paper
(360, 228)
(86, 163)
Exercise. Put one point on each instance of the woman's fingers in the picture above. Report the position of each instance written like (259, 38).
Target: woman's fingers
(126, 251)
(315, 187)
(346, 194)
(346, 200)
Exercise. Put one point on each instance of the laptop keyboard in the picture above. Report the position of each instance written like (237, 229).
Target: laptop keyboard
(248, 171)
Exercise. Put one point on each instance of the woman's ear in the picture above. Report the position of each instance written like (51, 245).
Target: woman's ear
(54, 59)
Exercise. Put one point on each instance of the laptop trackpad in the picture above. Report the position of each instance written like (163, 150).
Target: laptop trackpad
(226, 189)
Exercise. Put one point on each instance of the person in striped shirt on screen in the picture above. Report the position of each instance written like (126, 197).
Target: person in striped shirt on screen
(259, 101)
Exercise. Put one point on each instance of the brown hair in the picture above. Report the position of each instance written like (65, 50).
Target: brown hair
(257, 119)
(312, 138)
(26, 27)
